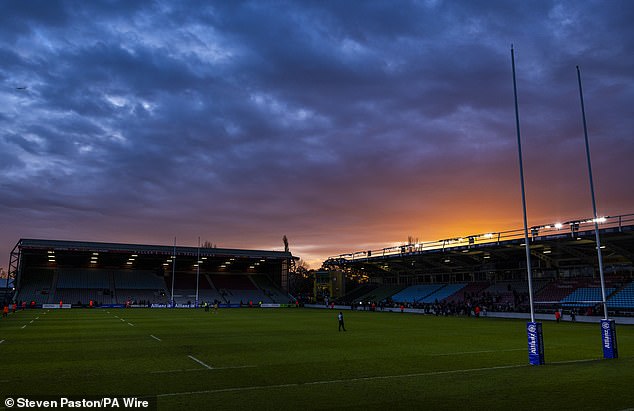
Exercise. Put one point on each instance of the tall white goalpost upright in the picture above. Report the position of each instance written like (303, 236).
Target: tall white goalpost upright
(608, 327)
(533, 328)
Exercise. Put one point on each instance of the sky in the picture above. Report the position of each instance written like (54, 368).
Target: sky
(344, 125)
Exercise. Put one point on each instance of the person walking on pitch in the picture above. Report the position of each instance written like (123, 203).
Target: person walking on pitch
(340, 318)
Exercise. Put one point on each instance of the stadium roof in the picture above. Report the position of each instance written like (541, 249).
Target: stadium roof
(38, 253)
(555, 247)
(61, 245)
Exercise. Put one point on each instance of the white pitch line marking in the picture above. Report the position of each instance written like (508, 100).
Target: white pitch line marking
(156, 338)
(131, 325)
(174, 371)
(37, 318)
(1, 341)
(122, 319)
(575, 361)
(200, 362)
(116, 316)
(383, 377)
(476, 352)
(200, 369)
(24, 326)
(31, 322)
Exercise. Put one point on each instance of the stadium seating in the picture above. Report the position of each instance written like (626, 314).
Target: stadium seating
(270, 290)
(415, 293)
(80, 295)
(585, 297)
(358, 292)
(443, 293)
(148, 280)
(82, 278)
(379, 293)
(473, 290)
(623, 298)
(36, 286)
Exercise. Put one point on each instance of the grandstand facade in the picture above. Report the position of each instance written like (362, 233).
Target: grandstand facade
(50, 271)
(491, 268)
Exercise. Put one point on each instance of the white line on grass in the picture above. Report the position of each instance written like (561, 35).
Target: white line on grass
(575, 361)
(381, 377)
(122, 319)
(37, 318)
(24, 326)
(174, 371)
(201, 370)
(31, 322)
(1, 341)
(131, 325)
(156, 338)
(476, 352)
(200, 362)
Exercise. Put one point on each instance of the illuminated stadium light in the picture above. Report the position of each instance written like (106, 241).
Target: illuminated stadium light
(169, 261)
(262, 260)
(600, 220)
(252, 267)
(134, 255)
(558, 226)
(129, 262)
(487, 256)
(50, 251)
(204, 258)
(95, 253)
(165, 263)
(447, 260)
(223, 266)
(232, 259)
(195, 265)
(200, 261)
(488, 235)
(547, 251)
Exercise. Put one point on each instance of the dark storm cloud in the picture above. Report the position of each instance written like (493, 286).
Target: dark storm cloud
(335, 122)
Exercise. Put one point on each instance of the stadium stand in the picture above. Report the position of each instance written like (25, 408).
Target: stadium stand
(442, 293)
(623, 298)
(381, 293)
(81, 278)
(585, 297)
(36, 287)
(358, 292)
(470, 291)
(270, 290)
(238, 288)
(415, 293)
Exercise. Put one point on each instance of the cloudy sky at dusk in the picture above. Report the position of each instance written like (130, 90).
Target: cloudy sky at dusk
(345, 125)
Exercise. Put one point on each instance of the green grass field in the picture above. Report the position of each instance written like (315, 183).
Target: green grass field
(295, 359)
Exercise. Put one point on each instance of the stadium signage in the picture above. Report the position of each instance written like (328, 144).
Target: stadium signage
(49, 306)
(535, 343)
(608, 336)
